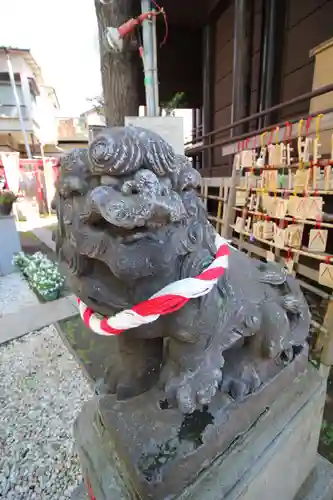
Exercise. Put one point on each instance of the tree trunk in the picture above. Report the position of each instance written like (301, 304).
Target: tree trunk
(119, 70)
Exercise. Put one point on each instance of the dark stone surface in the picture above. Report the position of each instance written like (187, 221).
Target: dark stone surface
(131, 222)
(94, 353)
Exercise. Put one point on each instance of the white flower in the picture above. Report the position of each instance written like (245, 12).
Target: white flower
(42, 273)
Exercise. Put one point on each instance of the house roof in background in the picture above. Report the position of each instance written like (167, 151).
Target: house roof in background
(29, 59)
(32, 63)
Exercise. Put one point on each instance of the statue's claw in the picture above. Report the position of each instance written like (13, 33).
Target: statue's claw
(239, 385)
(196, 386)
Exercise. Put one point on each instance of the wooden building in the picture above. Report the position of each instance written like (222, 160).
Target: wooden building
(233, 58)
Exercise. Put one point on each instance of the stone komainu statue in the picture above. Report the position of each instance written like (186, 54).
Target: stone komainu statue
(130, 223)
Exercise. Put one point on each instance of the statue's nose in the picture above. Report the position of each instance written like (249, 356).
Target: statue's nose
(129, 188)
(113, 207)
(145, 182)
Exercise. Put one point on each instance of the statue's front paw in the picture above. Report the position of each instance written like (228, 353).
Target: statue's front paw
(196, 386)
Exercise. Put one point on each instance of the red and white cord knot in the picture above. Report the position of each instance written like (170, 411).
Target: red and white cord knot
(171, 298)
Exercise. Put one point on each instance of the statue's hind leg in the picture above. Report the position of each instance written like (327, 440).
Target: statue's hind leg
(249, 367)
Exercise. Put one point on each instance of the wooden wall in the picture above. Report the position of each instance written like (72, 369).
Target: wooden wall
(224, 47)
(180, 58)
(179, 65)
(308, 23)
(222, 96)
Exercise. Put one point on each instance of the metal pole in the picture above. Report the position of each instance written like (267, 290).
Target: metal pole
(18, 105)
(148, 49)
(156, 82)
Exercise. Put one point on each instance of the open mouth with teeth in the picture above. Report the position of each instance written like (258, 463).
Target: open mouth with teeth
(149, 230)
(132, 217)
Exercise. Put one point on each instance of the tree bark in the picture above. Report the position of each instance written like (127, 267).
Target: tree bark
(119, 70)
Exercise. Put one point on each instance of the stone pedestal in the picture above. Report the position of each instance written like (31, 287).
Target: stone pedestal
(10, 244)
(263, 448)
(171, 128)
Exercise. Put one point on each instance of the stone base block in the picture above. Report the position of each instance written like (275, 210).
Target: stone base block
(319, 484)
(11, 244)
(265, 447)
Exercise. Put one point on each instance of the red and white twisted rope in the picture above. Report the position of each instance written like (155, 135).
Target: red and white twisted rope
(171, 298)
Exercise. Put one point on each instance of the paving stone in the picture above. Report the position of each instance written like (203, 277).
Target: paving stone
(29, 319)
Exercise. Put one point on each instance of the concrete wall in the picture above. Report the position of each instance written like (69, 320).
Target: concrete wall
(169, 127)
(93, 118)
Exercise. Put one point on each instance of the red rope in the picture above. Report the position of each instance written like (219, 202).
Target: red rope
(308, 123)
(270, 140)
(159, 305)
(162, 11)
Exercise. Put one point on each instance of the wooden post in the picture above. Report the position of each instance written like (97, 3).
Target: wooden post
(327, 352)
(229, 215)
(205, 193)
(219, 209)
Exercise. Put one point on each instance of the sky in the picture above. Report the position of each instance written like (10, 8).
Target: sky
(62, 36)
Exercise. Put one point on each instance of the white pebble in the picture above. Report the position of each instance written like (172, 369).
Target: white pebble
(42, 389)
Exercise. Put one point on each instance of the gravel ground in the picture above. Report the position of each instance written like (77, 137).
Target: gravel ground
(42, 389)
(15, 294)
